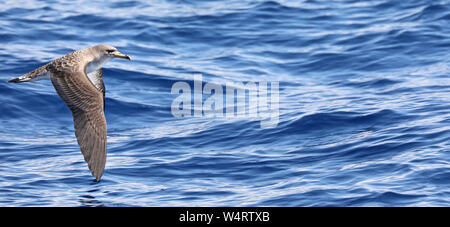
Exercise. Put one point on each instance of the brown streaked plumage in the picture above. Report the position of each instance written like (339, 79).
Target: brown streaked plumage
(77, 78)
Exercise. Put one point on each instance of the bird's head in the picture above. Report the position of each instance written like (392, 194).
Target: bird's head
(102, 54)
(110, 51)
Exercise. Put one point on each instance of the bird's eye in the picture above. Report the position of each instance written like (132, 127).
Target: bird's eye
(110, 51)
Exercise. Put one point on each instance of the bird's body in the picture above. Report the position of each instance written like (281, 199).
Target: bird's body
(77, 78)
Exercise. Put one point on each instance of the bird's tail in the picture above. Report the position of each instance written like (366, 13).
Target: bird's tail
(18, 79)
(37, 74)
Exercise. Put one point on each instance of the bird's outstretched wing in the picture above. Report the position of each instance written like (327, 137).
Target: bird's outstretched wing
(87, 104)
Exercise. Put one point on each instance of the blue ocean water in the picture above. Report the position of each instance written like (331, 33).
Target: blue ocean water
(363, 90)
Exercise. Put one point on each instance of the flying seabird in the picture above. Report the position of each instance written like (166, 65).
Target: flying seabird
(77, 78)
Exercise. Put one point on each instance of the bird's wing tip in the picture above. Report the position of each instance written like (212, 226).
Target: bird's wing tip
(98, 178)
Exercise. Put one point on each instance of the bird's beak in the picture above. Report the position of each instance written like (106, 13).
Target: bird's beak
(120, 55)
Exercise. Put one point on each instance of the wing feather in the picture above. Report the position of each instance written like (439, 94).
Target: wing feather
(87, 104)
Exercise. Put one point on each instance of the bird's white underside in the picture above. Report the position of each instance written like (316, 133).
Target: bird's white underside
(91, 71)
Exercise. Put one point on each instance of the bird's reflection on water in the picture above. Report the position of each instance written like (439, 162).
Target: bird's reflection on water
(89, 200)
